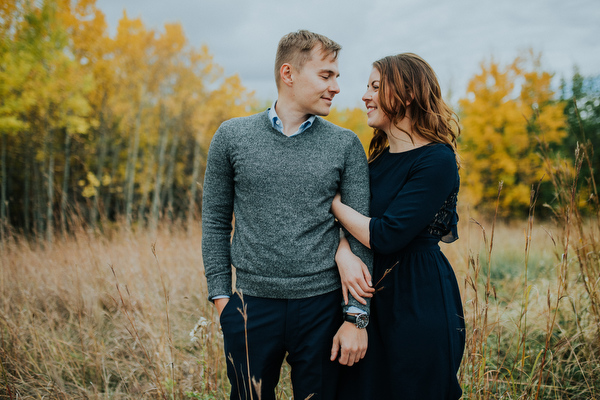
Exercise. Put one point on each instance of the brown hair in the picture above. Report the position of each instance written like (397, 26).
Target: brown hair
(408, 83)
(295, 48)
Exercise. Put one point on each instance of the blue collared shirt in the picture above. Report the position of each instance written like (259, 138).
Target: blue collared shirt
(277, 124)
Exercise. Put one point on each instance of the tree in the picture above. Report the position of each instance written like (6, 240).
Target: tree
(45, 93)
(117, 126)
(582, 111)
(228, 100)
(13, 75)
(90, 46)
(507, 111)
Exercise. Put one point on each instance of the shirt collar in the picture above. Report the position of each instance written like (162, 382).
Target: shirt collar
(278, 125)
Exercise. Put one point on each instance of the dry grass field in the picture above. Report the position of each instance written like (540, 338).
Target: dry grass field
(125, 315)
(108, 317)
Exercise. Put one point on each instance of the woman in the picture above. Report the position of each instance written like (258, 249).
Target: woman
(416, 333)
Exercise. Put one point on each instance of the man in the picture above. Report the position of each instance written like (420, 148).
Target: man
(277, 172)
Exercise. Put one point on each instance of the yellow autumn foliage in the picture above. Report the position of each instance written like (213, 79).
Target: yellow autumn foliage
(507, 111)
(135, 112)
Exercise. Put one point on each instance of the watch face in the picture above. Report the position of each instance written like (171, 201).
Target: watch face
(362, 320)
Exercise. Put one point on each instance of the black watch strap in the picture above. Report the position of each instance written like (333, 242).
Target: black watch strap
(359, 320)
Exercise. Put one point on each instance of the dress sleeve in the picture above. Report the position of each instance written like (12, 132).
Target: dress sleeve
(217, 215)
(431, 180)
(355, 192)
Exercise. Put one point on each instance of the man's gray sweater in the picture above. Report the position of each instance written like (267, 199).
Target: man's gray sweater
(280, 190)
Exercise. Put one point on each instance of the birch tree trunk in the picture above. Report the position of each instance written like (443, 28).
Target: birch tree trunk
(194, 185)
(3, 190)
(168, 192)
(114, 169)
(145, 186)
(29, 165)
(164, 135)
(65, 186)
(100, 167)
(50, 187)
(131, 166)
(38, 206)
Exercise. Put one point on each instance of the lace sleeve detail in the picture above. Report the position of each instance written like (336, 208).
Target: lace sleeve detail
(444, 224)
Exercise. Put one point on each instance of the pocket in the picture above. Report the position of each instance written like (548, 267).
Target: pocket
(226, 309)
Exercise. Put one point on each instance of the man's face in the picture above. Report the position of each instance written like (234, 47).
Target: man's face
(315, 85)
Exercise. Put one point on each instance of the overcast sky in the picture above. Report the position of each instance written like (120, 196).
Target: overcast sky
(454, 36)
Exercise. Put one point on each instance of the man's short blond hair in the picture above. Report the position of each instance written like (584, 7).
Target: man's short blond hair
(295, 48)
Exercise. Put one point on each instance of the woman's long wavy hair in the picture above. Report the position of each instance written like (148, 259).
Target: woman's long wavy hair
(408, 79)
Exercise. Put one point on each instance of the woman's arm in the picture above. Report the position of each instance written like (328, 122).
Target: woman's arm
(432, 178)
(354, 273)
(356, 223)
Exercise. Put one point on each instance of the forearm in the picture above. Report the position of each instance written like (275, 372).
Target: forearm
(217, 263)
(343, 247)
(355, 277)
(355, 192)
(216, 240)
(353, 221)
(217, 213)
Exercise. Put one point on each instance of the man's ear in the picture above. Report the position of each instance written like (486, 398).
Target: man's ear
(285, 73)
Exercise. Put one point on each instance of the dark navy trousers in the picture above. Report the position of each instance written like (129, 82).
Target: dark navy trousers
(302, 329)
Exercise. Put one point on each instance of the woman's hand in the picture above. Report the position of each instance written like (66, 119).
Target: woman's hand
(354, 274)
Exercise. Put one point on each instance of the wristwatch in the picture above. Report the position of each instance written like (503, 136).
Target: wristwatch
(360, 320)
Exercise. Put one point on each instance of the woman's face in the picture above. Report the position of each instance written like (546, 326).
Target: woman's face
(375, 115)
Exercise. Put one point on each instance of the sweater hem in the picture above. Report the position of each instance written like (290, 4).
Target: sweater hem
(287, 288)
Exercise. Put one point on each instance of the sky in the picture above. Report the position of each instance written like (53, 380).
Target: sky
(454, 36)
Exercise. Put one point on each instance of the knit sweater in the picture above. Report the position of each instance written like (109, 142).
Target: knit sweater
(280, 190)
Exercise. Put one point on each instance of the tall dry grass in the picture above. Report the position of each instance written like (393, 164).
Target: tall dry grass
(108, 317)
(532, 298)
(125, 315)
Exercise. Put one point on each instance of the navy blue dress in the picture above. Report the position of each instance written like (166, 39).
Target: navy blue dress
(416, 333)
